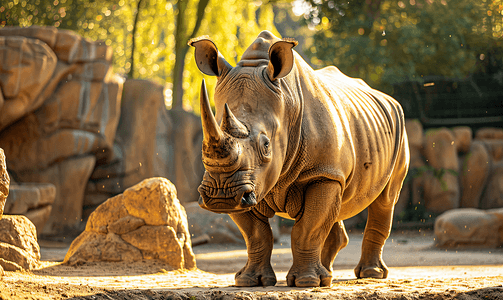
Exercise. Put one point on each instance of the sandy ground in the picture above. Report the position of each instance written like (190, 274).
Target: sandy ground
(418, 270)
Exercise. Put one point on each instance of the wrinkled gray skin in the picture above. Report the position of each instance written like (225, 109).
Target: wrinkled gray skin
(314, 146)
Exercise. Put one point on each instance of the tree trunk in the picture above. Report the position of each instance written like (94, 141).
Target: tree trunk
(133, 46)
(181, 47)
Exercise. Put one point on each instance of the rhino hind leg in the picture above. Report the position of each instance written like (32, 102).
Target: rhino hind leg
(259, 240)
(336, 240)
(378, 227)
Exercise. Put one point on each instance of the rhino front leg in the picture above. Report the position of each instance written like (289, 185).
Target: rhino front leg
(321, 208)
(257, 233)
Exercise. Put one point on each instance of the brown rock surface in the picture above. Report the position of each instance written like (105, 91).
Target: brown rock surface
(414, 130)
(489, 133)
(25, 69)
(72, 114)
(441, 187)
(219, 227)
(132, 158)
(495, 149)
(493, 194)
(470, 228)
(462, 138)
(18, 243)
(149, 222)
(4, 182)
(69, 177)
(473, 175)
(33, 200)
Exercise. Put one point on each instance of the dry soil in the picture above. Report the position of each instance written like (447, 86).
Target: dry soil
(418, 270)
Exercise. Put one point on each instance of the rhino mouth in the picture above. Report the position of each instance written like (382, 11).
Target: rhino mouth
(242, 199)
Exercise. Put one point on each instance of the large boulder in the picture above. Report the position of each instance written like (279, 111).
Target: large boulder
(441, 187)
(145, 222)
(4, 182)
(470, 228)
(18, 244)
(150, 142)
(134, 152)
(475, 169)
(493, 195)
(462, 138)
(495, 149)
(209, 227)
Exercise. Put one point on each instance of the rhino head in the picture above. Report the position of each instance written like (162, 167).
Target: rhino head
(245, 144)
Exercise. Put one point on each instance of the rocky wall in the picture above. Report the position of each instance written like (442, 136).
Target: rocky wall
(454, 168)
(67, 120)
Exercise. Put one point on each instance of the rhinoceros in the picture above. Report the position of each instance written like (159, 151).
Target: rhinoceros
(315, 146)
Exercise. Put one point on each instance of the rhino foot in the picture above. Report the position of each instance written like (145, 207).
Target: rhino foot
(378, 272)
(252, 277)
(318, 276)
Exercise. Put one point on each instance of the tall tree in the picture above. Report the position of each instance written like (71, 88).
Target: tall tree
(387, 41)
(182, 35)
(149, 37)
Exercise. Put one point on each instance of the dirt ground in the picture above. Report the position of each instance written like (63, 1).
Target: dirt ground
(418, 270)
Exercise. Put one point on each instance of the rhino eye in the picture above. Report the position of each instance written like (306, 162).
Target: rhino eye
(265, 149)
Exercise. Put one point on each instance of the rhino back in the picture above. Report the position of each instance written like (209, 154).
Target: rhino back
(350, 133)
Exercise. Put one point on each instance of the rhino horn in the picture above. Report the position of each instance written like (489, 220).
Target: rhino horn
(211, 131)
(232, 125)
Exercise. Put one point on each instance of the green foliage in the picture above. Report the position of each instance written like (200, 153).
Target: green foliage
(437, 173)
(159, 41)
(389, 41)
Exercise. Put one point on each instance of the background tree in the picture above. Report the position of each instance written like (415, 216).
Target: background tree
(388, 41)
(149, 37)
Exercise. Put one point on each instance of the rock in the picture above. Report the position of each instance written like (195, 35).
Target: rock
(134, 152)
(440, 149)
(4, 182)
(440, 193)
(18, 243)
(441, 187)
(495, 149)
(414, 130)
(67, 108)
(462, 138)
(94, 246)
(473, 175)
(489, 133)
(69, 177)
(185, 167)
(145, 222)
(46, 34)
(135, 138)
(26, 67)
(219, 227)
(26, 196)
(33, 200)
(79, 118)
(493, 195)
(469, 228)
(39, 217)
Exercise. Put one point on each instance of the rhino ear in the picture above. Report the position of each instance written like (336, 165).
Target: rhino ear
(208, 59)
(281, 59)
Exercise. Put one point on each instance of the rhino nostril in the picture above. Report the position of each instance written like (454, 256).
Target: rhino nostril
(248, 199)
